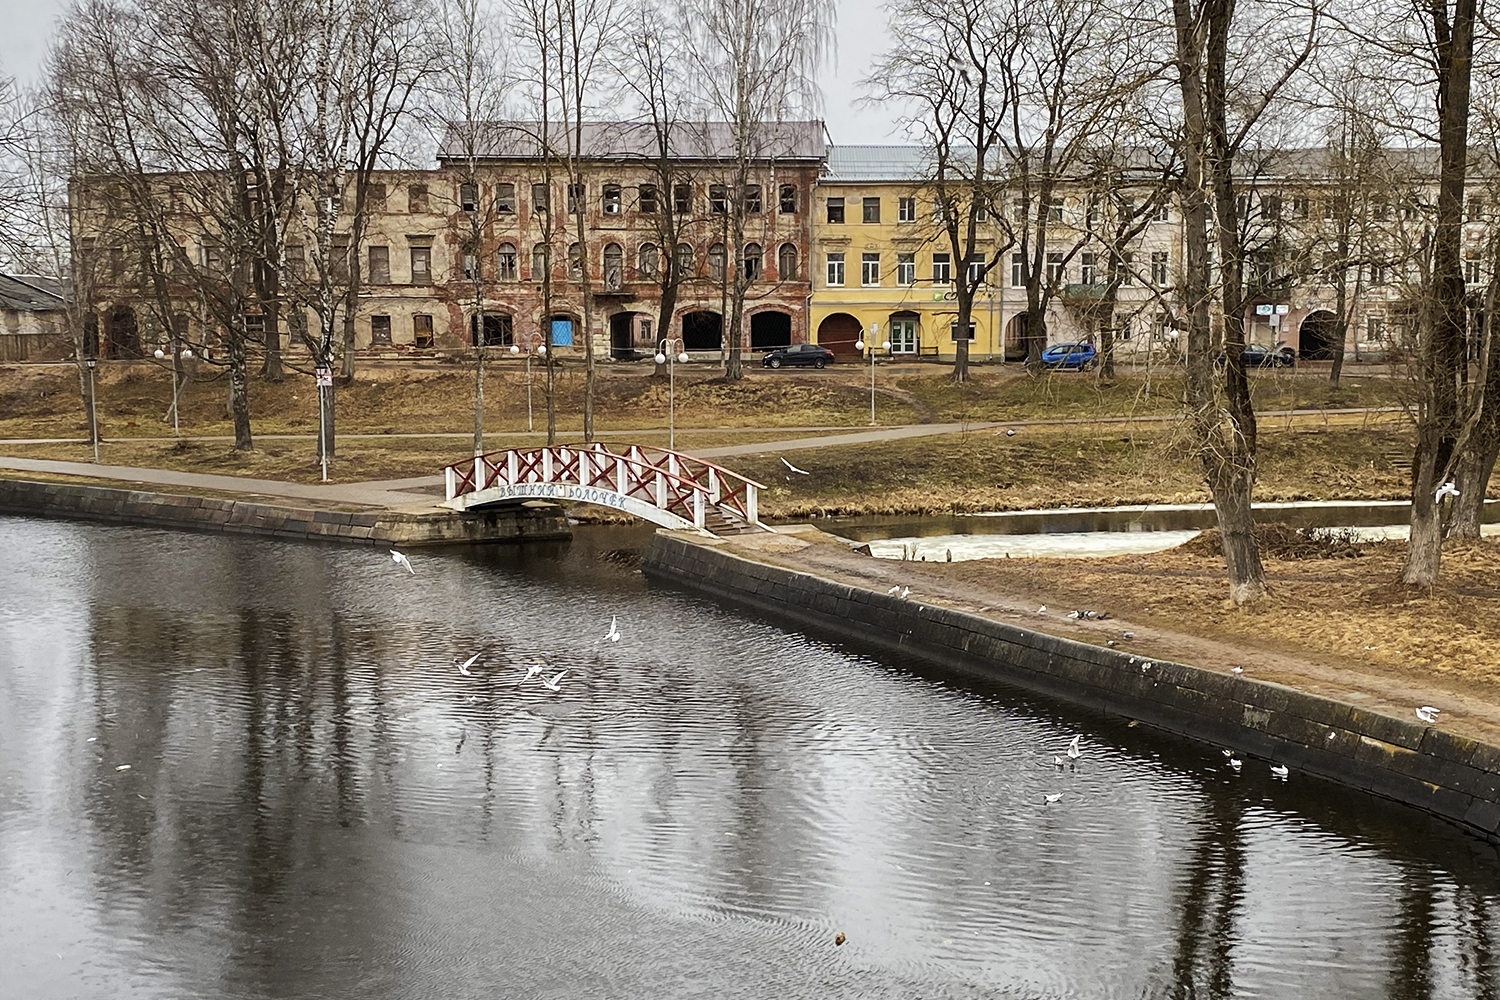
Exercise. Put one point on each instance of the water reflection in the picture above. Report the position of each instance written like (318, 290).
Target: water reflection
(318, 804)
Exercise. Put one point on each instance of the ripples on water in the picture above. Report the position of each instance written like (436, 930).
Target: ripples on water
(318, 804)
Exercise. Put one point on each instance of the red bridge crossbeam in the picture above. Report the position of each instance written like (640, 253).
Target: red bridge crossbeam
(644, 476)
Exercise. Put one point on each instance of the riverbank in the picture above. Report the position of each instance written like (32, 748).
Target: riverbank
(1350, 721)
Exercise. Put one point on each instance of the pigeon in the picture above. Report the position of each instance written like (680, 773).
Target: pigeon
(613, 635)
(1445, 490)
(550, 683)
(1427, 714)
(800, 472)
(463, 667)
(1073, 752)
(1280, 771)
(399, 558)
(1052, 798)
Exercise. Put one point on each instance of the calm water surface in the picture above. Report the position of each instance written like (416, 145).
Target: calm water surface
(317, 804)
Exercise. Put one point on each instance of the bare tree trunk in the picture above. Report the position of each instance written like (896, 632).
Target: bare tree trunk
(239, 392)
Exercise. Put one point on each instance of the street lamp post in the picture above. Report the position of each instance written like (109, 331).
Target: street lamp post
(90, 363)
(178, 356)
(535, 344)
(859, 345)
(665, 358)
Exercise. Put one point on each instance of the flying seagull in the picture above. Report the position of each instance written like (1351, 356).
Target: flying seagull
(613, 635)
(1280, 771)
(1427, 714)
(463, 667)
(532, 671)
(550, 683)
(1052, 798)
(399, 558)
(1073, 752)
(800, 472)
(1445, 490)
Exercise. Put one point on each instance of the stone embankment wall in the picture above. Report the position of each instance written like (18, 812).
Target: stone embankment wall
(182, 511)
(1421, 766)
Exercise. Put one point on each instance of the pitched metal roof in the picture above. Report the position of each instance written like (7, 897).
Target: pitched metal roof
(877, 163)
(521, 140)
(30, 293)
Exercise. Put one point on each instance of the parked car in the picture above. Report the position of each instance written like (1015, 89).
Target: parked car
(1260, 356)
(1076, 356)
(798, 355)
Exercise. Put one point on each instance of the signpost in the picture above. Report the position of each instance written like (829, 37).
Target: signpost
(324, 375)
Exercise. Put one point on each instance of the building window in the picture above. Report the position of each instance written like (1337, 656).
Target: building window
(577, 195)
(380, 329)
(541, 261)
(870, 210)
(499, 330)
(421, 331)
(1301, 207)
(416, 199)
(1126, 267)
(468, 196)
(788, 199)
(646, 199)
(1474, 208)
(977, 269)
(575, 262)
(953, 331)
(1122, 332)
(906, 269)
(1380, 208)
(421, 265)
(1017, 270)
(1086, 274)
(1091, 214)
(646, 331)
(906, 210)
(612, 203)
(716, 262)
(942, 269)
(1055, 268)
(541, 199)
(614, 267)
(686, 260)
(1374, 329)
(648, 260)
(981, 211)
(753, 204)
(380, 265)
(682, 199)
(506, 268)
(1055, 210)
(1270, 207)
(296, 260)
(753, 259)
(1471, 267)
(869, 269)
(1163, 212)
(836, 211)
(836, 270)
(1159, 264)
(786, 261)
(1018, 209)
(505, 199)
(718, 199)
(375, 198)
(471, 265)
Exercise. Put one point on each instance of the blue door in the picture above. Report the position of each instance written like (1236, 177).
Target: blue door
(562, 333)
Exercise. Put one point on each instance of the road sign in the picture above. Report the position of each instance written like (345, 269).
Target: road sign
(1265, 310)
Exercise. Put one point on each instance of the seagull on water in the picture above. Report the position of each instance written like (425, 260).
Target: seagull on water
(1445, 490)
(800, 472)
(1427, 714)
(613, 635)
(1057, 760)
(1048, 800)
(1236, 763)
(399, 558)
(1073, 752)
(1280, 771)
(463, 667)
(550, 683)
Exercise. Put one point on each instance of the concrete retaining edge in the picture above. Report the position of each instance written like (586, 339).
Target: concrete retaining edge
(195, 513)
(1447, 775)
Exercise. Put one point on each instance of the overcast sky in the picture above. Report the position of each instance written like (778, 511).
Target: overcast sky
(861, 35)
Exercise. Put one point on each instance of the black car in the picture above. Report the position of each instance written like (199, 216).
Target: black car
(1260, 356)
(798, 354)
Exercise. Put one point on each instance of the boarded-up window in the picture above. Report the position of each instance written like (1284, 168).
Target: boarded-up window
(421, 330)
(421, 265)
(375, 197)
(380, 265)
(416, 199)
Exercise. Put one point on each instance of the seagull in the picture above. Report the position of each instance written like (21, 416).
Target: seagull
(1010, 432)
(1127, 635)
(800, 472)
(532, 671)
(1427, 714)
(400, 559)
(1073, 752)
(1236, 763)
(1227, 753)
(1052, 798)
(463, 667)
(550, 683)
(1280, 771)
(905, 591)
(1236, 670)
(1445, 490)
(1057, 760)
(894, 589)
(1042, 610)
(613, 635)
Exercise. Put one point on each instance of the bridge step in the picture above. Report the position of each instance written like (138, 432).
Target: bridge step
(722, 522)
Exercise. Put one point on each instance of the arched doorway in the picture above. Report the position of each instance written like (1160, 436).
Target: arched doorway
(631, 333)
(702, 331)
(1015, 337)
(839, 333)
(124, 338)
(770, 330)
(1318, 336)
(498, 330)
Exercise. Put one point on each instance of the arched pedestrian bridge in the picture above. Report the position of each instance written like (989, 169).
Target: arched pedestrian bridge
(664, 487)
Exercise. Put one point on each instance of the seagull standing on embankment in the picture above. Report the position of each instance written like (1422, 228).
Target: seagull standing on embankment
(1427, 714)
(399, 558)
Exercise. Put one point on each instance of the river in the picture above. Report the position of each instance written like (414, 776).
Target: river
(235, 768)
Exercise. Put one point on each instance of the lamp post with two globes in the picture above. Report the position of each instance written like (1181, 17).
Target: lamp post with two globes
(179, 355)
(859, 345)
(663, 356)
(535, 344)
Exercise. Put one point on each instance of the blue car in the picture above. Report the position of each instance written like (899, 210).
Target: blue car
(1074, 356)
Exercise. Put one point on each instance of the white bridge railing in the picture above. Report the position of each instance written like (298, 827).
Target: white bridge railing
(661, 486)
